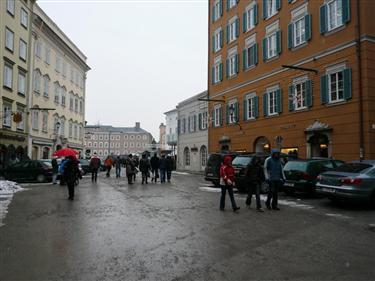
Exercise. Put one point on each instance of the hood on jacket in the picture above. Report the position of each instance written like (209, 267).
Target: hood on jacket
(227, 159)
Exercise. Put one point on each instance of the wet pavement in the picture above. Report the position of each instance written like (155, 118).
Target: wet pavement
(112, 231)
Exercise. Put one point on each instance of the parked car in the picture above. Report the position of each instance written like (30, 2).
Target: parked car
(212, 170)
(354, 180)
(301, 175)
(85, 166)
(241, 162)
(29, 171)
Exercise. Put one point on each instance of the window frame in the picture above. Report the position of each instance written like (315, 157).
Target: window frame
(337, 16)
(11, 7)
(9, 32)
(273, 93)
(250, 106)
(23, 54)
(24, 15)
(7, 119)
(21, 73)
(5, 76)
(301, 83)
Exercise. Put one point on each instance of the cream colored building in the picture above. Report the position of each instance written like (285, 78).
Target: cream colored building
(57, 117)
(15, 26)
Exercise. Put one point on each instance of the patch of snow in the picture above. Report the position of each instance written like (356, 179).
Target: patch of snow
(7, 189)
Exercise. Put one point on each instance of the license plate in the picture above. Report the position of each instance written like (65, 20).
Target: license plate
(329, 190)
(289, 184)
(210, 174)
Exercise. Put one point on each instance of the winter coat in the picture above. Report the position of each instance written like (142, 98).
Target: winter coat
(163, 163)
(144, 165)
(275, 169)
(71, 171)
(117, 163)
(227, 171)
(130, 167)
(55, 166)
(108, 162)
(155, 162)
(95, 163)
(169, 163)
(254, 173)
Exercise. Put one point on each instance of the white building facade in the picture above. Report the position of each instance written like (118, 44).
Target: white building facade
(171, 128)
(193, 133)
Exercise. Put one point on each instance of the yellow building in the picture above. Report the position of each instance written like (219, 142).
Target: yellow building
(57, 115)
(15, 26)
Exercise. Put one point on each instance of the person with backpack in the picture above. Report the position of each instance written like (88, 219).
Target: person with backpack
(227, 183)
(254, 177)
(94, 167)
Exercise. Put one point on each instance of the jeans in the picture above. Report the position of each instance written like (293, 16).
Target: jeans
(54, 177)
(224, 188)
(118, 172)
(169, 175)
(273, 193)
(162, 175)
(94, 175)
(108, 171)
(254, 188)
(71, 190)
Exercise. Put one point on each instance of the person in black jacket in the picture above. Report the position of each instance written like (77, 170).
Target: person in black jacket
(255, 177)
(55, 170)
(71, 174)
(155, 162)
(144, 167)
(169, 167)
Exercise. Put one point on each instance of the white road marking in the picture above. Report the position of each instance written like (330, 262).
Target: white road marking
(339, 216)
(209, 189)
(181, 173)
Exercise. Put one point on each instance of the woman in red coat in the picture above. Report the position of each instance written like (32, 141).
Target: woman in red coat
(227, 182)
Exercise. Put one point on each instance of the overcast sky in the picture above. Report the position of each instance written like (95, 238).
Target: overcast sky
(145, 56)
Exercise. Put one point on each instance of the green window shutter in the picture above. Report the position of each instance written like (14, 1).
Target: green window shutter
(213, 75)
(228, 5)
(278, 41)
(291, 97)
(265, 9)
(221, 72)
(255, 51)
(265, 104)
(195, 123)
(278, 4)
(237, 63)
(237, 112)
(255, 14)
(323, 19)
(200, 121)
(188, 124)
(213, 44)
(290, 35)
(308, 87)
(227, 33)
(245, 109)
(324, 89)
(227, 114)
(244, 22)
(221, 38)
(347, 83)
(345, 11)
(237, 27)
(213, 118)
(308, 27)
(290, 1)
(213, 13)
(244, 59)
(264, 47)
(279, 101)
(251, 51)
(227, 68)
(221, 7)
(256, 107)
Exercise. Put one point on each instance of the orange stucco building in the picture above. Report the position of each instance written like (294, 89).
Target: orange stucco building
(297, 75)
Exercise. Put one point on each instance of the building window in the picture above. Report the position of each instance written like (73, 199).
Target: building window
(202, 120)
(203, 154)
(63, 96)
(333, 14)
(45, 122)
(217, 116)
(300, 95)
(217, 10)
(58, 64)
(336, 85)
(8, 76)
(20, 125)
(64, 69)
(272, 42)
(35, 120)
(232, 112)
(81, 107)
(231, 4)
(71, 102)
(38, 49)
(217, 71)
(23, 50)
(47, 55)
(270, 8)
(192, 123)
(232, 63)
(11, 6)
(299, 30)
(21, 82)
(250, 17)
(272, 103)
(250, 53)
(37, 77)
(233, 29)
(76, 105)
(62, 127)
(24, 18)
(46, 86)
(7, 118)
(9, 39)
(217, 40)
(250, 107)
(57, 93)
(187, 156)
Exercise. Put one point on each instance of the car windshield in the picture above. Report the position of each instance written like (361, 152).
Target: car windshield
(242, 160)
(296, 166)
(353, 167)
(47, 163)
(84, 162)
(214, 159)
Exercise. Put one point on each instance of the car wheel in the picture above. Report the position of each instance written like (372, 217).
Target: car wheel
(264, 187)
(41, 178)
(288, 191)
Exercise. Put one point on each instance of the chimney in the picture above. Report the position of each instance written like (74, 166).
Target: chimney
(137, 125)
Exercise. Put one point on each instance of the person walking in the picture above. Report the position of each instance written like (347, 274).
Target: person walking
(94, 167)
(254, 177)
(155, 163)
(144, 167)
(117, 164)
(61, 170)
(227, 183)
(275, 178)
(130, 168)
(169, 167)
(162, 168)
(71, 174)
(55, 170)
(108, 162)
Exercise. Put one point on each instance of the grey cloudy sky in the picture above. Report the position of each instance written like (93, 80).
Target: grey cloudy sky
(145, 56)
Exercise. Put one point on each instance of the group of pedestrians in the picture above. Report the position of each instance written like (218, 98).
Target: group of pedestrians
(272, 173)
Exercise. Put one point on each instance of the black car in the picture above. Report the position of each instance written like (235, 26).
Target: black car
(241, 163)
(301, 175)
(85, 165)
(29, 171)
(212, 170)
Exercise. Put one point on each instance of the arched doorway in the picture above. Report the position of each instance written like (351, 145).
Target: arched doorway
(203, 155)
(319, 145)
(262, 144)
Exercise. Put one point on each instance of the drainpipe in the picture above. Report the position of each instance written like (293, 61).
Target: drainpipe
(360, 94)
(208, 77)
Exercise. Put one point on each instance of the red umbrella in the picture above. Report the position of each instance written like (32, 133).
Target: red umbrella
(65, 152)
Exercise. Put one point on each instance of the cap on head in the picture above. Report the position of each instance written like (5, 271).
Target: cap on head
(227, 159)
